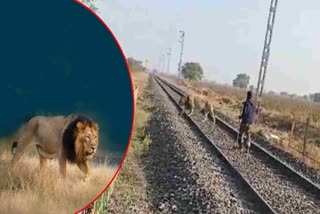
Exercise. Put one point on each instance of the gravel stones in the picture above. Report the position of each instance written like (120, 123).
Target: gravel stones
(183, 176)
(295, 163)
(283, 195)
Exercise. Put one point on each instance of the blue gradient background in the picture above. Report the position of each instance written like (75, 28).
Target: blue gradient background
(58, 58)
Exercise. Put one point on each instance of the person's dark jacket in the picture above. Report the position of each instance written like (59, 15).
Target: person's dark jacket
(248, 112)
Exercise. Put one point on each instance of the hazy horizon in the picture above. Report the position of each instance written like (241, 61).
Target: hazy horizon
(226, 38)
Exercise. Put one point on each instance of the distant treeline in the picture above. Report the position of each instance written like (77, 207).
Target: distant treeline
(135, 65)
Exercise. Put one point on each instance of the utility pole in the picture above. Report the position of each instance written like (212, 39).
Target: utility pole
(266, 49)
(169, 55)
(163, 63)
(181, 52)
(160, 64)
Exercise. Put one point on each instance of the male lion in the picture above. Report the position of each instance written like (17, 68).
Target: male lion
(208, 109)
(73, 138)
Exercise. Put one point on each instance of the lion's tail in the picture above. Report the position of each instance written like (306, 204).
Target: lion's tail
(14, 147)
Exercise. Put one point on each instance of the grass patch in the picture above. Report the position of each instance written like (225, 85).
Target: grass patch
(128, 188)
(141, 118)
(29, 190)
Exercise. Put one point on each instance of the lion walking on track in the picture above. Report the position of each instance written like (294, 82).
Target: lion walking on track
(209, 109)
(74, 139)
(188, 102)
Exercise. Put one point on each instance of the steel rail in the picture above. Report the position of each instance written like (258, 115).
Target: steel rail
(264, 207)
(298, 178)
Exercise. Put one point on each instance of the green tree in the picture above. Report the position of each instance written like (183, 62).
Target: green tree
(241, 81)
(192, 71)
(252, 88)
(284, 93)
(272, 93)
(305, 97)
(91, 4)
(316, 97)
(135, 65)
(293, 96)
(311, 97)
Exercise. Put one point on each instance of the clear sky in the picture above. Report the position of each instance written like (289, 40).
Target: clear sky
(225, 36)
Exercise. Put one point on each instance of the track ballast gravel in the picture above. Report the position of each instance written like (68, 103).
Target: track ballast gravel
(283, 195)
(182, 175)
(295, 163)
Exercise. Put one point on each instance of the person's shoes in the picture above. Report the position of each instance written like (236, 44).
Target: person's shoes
(242, 150)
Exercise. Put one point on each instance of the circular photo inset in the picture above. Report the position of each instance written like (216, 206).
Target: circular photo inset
(66, 109)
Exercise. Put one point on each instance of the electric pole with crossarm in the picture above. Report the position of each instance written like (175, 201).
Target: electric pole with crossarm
(169, 55)
(181, 52)
(266, 49)
(265, 54)
(160, 61)
(163, 63)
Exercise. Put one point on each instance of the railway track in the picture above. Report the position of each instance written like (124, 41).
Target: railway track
(290, 161)
(277, 187)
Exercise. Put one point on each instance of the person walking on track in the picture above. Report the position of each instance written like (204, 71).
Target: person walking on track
(247, 118)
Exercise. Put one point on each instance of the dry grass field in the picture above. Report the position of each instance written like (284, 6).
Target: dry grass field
(276, 118)
(29, 190)
(127, 191)
(129, 187)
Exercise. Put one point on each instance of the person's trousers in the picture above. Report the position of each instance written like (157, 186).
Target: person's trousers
(244, 132)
